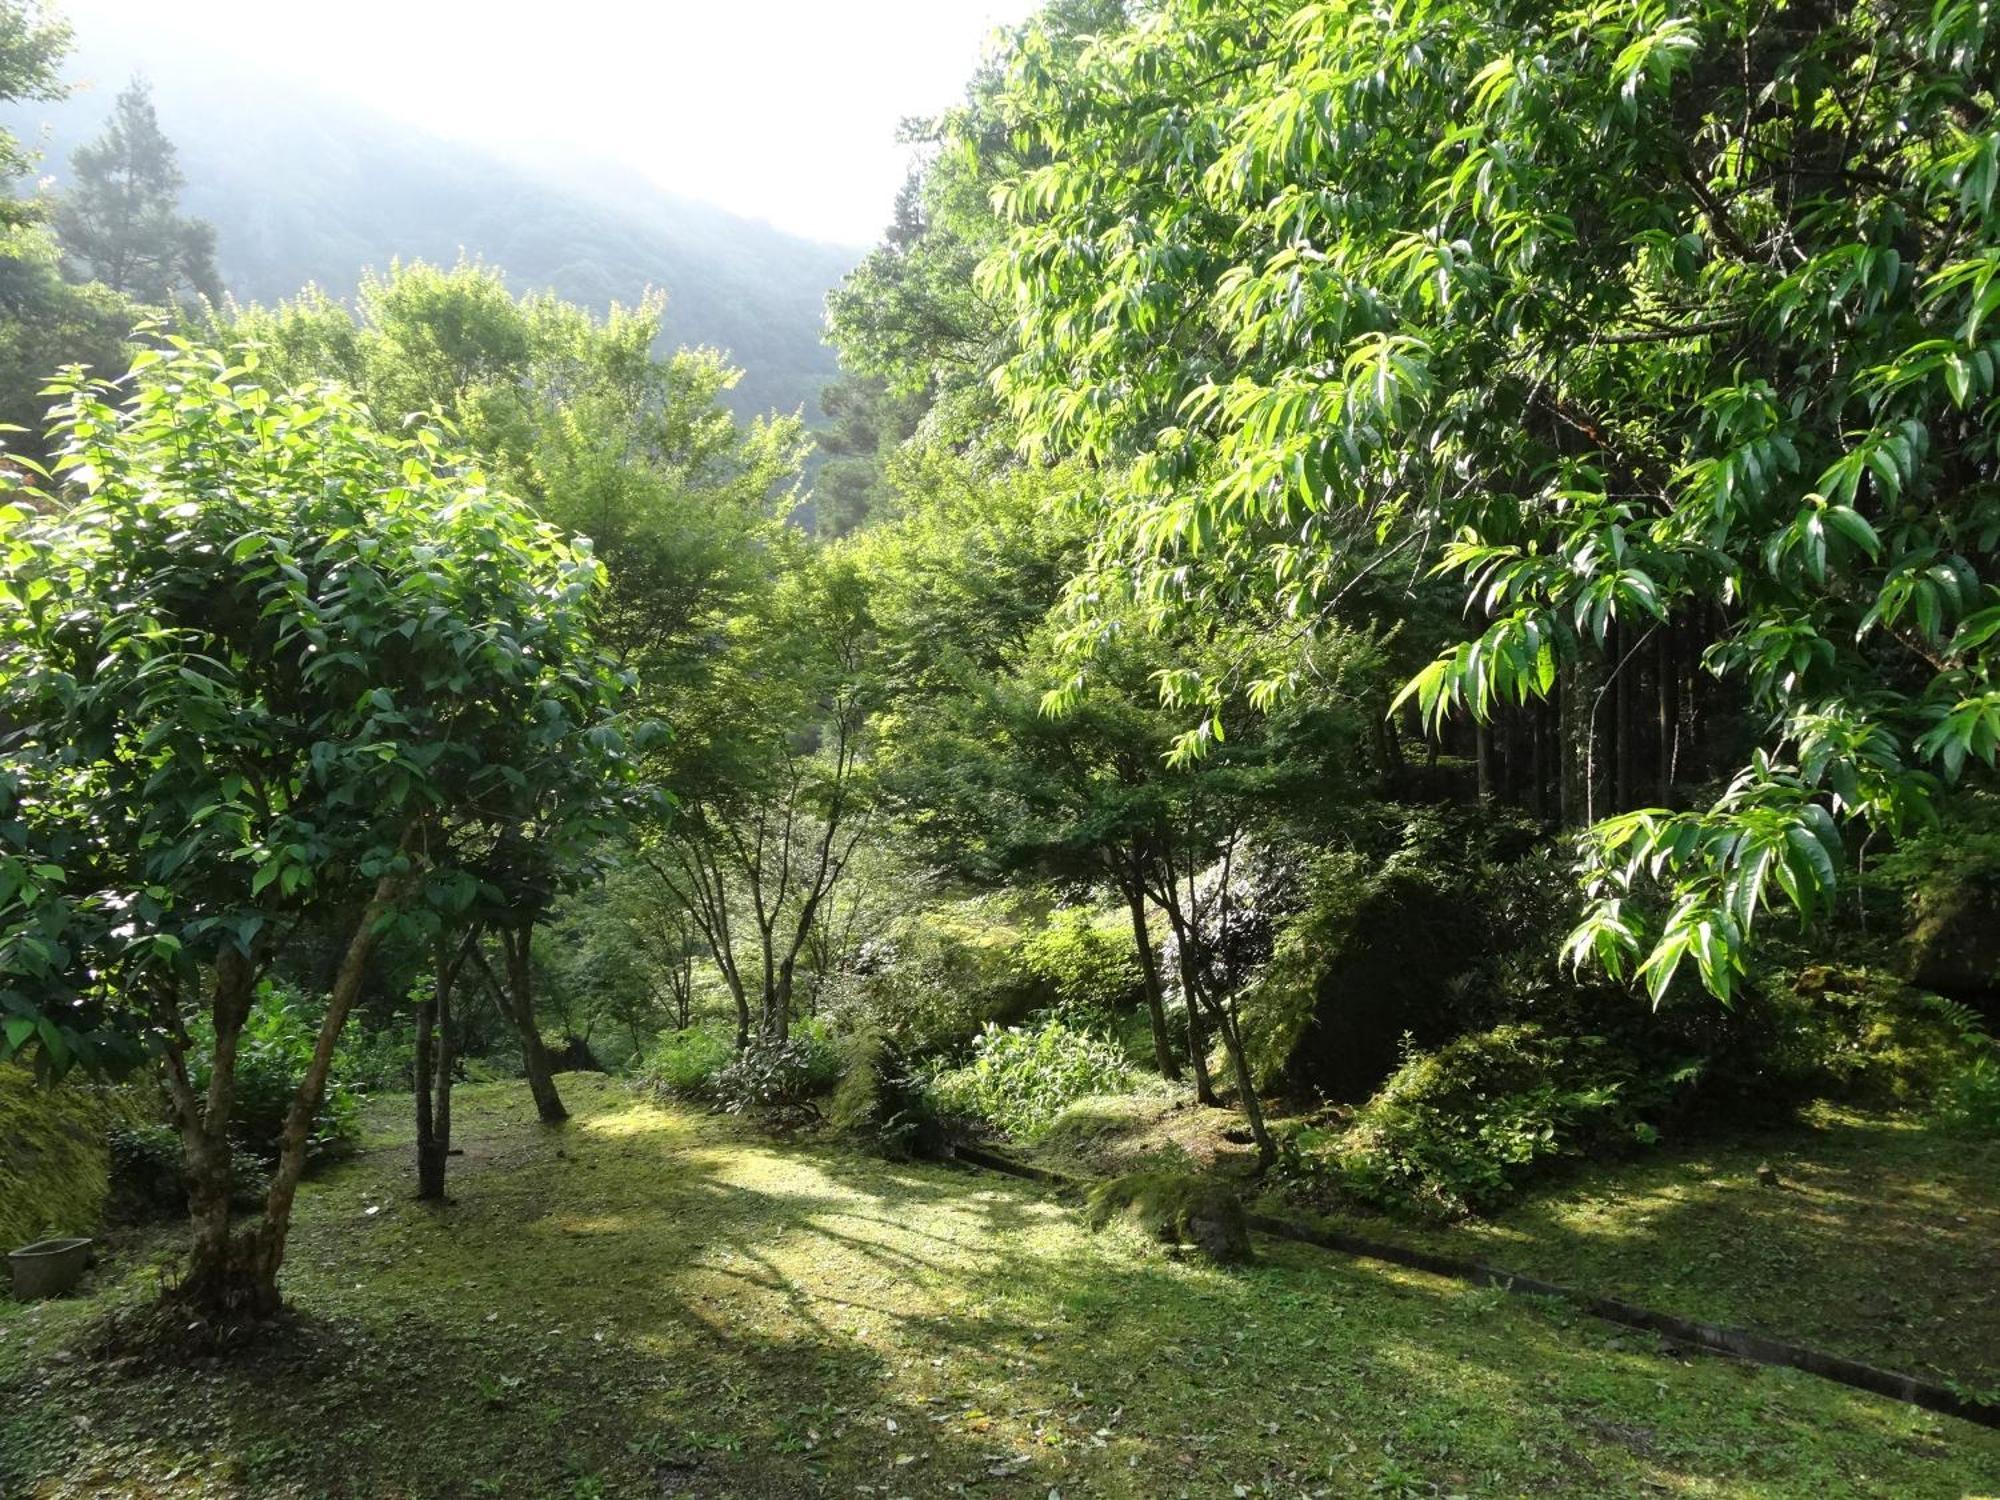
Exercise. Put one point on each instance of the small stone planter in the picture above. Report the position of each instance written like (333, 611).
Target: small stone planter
(47, 1268)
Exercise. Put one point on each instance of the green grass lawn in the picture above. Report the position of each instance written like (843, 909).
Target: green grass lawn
(1880, 1239)
(654, 1303)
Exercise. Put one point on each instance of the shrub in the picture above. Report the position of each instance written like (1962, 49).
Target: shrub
(937, 980)
(1969, 1100)
(1089, 966)
(778, 1077)
(1019, 1080)
(683, 1064)
(148, 1174)
(1459, 1129)
(273, 1054)
(377, 1062)
(1865, 1036)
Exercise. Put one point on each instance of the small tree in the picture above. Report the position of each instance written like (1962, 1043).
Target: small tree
(255, 662)
(768, 762)
(120, 221)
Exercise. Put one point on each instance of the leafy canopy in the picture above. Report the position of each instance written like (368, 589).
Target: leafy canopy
(254, 655)
(1620, 315)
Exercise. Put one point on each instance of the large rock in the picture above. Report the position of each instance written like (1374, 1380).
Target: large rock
(1955, 946)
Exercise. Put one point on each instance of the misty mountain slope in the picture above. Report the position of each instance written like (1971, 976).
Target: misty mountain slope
(302, 189)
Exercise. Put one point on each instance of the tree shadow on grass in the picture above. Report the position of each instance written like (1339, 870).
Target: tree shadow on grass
(655, 1312)
(1879, 1241)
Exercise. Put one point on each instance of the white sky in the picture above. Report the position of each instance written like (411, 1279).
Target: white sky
(782, 110)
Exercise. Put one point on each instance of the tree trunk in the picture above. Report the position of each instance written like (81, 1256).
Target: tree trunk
(212, 1276)
(430, 1162)
(433, 1080)
(1625, 729)
(1580, 740)
(1204, 1086)
(516, 942)
(233, 1278)
(1253, 1108)
(447, 1062)
(1149, 970)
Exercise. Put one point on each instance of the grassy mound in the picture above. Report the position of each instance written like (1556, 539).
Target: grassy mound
(1177, 1208)
(55, 1153)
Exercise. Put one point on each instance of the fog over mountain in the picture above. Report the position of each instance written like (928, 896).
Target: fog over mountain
(303, 187)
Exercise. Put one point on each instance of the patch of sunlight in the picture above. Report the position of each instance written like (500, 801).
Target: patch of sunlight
(635, 1120)
(596, 1224)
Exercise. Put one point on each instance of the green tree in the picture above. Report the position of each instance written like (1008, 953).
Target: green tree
(768, 761)
(45, 323)
(119, 221)
(578, 416)
(256, 660)
(1652, 325)
(33, 43)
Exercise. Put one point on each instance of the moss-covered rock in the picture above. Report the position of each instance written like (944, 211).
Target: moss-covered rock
(1177, 1208)
(55, 1153)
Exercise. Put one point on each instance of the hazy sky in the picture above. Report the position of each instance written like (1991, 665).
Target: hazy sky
(784, 110)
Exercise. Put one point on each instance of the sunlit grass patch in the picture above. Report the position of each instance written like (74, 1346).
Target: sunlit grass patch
(649, 1303)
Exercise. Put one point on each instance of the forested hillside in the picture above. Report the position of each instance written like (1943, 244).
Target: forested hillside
(327, 190)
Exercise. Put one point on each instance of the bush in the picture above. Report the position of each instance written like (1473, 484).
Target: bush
(779, 1077)
(148, 1174)
(1864, 1036)
(1459, 1129)
(377, 1062)
(1019, 1080)
(1969, 1100)
(683, 1064)
(1088, 965)
(937, 980)
(273, 1054)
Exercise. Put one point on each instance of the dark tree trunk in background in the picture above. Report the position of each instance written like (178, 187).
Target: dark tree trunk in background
(1582, 740)
(1666, 713)
(1149, 971)
(433, 1078)
(1624, 708)
(430, 1173)
(519, 1002)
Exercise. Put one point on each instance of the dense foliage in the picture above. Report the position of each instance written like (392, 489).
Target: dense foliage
(1019, 1079)
(1362, 554)
(1661, 328)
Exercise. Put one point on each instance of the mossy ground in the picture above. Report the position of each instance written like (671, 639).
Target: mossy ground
(655, 1303)
(1879, 1240)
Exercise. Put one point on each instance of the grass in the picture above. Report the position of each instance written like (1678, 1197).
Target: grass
(53, 1161)
(654, 1303)
(1880, 1240)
